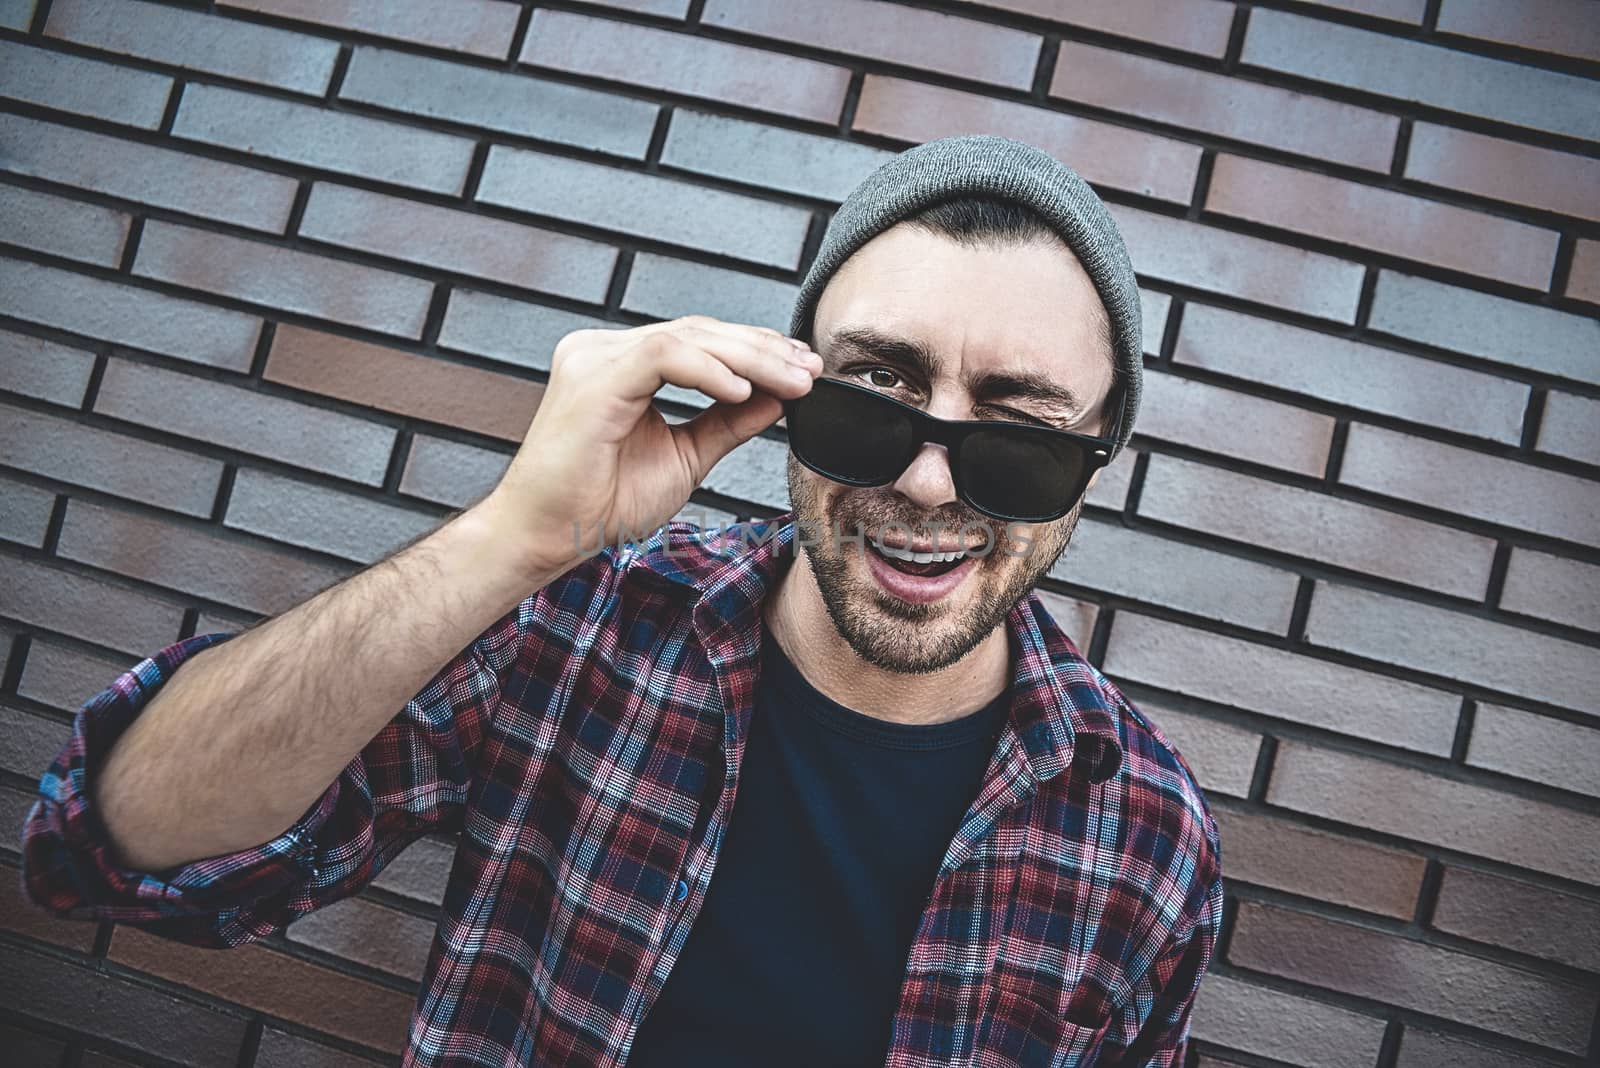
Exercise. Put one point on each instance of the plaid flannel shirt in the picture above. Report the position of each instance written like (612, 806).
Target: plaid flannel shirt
(587, 748)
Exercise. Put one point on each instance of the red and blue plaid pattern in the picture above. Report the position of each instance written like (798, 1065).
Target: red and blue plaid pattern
(587, 747)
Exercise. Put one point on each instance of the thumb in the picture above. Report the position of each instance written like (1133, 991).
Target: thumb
(723, 427)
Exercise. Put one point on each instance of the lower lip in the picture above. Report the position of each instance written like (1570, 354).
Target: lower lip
(916, 589)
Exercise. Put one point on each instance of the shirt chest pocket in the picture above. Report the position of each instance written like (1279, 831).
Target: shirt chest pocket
(1019, 1032)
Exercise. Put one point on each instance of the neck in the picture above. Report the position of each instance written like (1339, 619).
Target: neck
(797, 619)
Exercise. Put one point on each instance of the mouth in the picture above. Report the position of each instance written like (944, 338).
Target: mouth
(918, 577)
(922, 562)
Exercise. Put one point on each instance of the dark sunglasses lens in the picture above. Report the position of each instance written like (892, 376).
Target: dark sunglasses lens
(1020, 475)
(850, 435)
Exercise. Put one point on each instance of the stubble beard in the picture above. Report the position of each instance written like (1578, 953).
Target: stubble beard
(896, 635)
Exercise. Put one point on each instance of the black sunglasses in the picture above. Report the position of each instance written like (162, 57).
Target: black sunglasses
(1009, 471)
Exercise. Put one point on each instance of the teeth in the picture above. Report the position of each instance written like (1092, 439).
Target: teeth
(921, 558)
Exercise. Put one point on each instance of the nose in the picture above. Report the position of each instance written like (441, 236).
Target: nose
(928, 483)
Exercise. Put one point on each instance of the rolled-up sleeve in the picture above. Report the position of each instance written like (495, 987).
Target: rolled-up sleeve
(412, 778)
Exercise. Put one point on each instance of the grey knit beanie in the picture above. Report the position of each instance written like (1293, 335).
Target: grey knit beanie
(983, 164)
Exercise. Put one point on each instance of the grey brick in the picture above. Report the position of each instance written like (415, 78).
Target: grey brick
(1538, 748)
(1306, 523)
(359, 930)
(1425, 1049)
(449, 472)
(127, 315)
(1495, 328)
(228, 47)
(421, 872)
(477, 27)
(248, 420)
(1455, 645)
(279, 1049)
(755, 471)
(1231, 1012)
(284, 279)
(161, 177)
(667, 288)
(43, 369)
(113, 463)
(1147, 567)
(1222, 756)
(318, 137)
(87, 607)
(1236, 424)
(16, 14)
(1194, 254)
(1154, 308)
(1347, 372)
(511, 331)
(1278, 683)
(64, 227)
(1571, 427)
(1469, 483)
(1552, 587)
(511, 103)
(83, 86)
(1110, 489)
(807, 164)
(64, 678)
(1425, 73)
(24, 512)
(315, 517)
(460, 241)
(647, 205)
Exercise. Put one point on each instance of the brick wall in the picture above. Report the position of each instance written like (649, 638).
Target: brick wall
(280, 280)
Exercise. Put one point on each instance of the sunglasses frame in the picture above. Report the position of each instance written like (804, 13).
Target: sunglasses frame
(953, 433)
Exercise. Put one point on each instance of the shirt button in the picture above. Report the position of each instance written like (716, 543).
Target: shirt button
(683, 890)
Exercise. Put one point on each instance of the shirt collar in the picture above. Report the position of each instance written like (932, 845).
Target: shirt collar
(1062, 714)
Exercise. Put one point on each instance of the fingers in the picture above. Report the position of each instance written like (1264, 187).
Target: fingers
(770, 363)
(724, 365)
(723, 427)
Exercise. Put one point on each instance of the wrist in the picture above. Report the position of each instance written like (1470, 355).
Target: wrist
(535, 557)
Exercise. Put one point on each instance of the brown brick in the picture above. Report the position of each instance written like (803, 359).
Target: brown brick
(687, 64)
(197, 41)
(449, 472)
(247, 420)
(1540, 748)
(379, 937)
(1222, 756)
(1550, 924)
(28, 743)
(320, 137)
(1109, 155)
(1279, 683)
(758, 154)
(64, 227)
(153, 474)
(87, 607)
(477, 27)
(1411, 11)
(1453, 644)
(667, 288)
(65, 677)
(233, 570)
(1347, 372)
(1571, 427)
(1271, 1023)
(83, 998)
(1504, 170)
(43, 369)
(417, 386)
(24, 512)
(927, 40)
(1178, 575)
(460, 241)
(279, 1049)
(511, 331)
(1422, 807)
(1583, 279)
(1425, 1049)
(1227, 106)
(1369, 963)
(129, 315)
(1190, 25)
(315, 517)
(1313, 525)
(650, 206)
(1075, 617)
(83, 86)
(1414, 70)
(284, 279)
(421, 872)
(1383, 220)
(1465, 482)
(1268, 851)
(1237, 265)
(1204, 416)
(277, 984)
(1559, 26)
(1552, 587)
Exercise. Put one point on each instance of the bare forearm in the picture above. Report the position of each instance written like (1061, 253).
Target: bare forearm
(247, 734)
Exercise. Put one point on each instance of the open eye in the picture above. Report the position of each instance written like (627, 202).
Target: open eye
(883, 378)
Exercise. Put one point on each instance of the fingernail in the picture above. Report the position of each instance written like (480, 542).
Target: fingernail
(797, 343)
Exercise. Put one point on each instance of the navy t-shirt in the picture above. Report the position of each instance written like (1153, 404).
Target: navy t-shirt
(838, 827)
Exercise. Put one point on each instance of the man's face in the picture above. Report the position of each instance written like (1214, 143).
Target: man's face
(982, 319)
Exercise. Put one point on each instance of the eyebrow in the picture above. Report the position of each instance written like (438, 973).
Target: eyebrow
(989, 385)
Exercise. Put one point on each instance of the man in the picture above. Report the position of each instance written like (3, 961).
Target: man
(954, 841)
